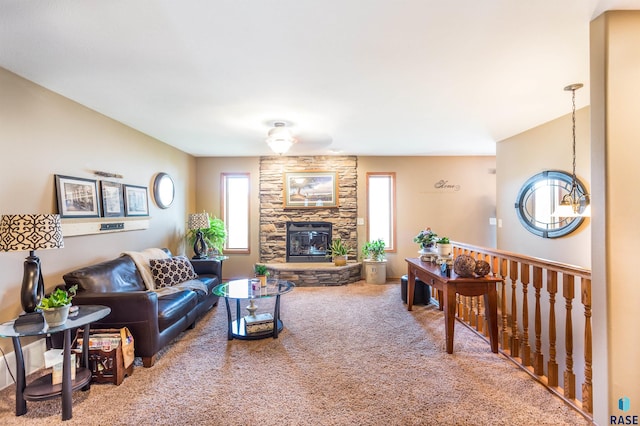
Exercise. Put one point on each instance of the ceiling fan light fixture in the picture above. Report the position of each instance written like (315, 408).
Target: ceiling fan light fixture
(280, 138)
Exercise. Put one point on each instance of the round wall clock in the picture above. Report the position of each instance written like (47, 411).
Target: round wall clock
(163, 190)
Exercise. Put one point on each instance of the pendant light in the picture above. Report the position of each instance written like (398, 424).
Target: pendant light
(576, 202)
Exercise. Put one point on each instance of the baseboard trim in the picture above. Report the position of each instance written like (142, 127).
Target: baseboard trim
(33, 361)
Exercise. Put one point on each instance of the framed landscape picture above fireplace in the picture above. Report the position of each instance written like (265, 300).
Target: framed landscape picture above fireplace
(310, 189)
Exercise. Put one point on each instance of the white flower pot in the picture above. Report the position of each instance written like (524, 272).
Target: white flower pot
(445, 250)
(55, 317)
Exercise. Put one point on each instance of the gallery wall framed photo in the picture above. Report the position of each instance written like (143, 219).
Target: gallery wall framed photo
(112, 199)
(136, 200)
(77, 197)
(315, 189)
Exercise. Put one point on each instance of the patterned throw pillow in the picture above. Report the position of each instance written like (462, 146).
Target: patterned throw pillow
(171, 271)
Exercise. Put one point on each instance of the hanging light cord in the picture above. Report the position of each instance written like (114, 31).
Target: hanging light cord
(576, 197)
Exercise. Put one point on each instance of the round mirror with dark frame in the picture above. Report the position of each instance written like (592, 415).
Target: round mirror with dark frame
(163, 190)
(538, 199)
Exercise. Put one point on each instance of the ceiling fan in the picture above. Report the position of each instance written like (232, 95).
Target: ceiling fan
(281, 138)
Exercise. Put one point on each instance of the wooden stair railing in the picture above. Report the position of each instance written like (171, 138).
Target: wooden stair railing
(553, 335)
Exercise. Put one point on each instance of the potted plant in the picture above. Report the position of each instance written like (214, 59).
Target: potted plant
(261, 273)
(55, 307)
(445, 248)
(214, 236)
(375, 270)
(374, 250)
(338, 251)
(427, 239)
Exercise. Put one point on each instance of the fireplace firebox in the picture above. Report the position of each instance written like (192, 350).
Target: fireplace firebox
(308, 241)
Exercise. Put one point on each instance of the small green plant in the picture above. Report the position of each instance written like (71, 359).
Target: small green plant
(444, 240)
(58, 298)
(338, 248)
(374, 250)
(261, 270)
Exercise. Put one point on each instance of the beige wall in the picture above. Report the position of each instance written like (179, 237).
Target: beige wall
(462, 215)
(208, 195)
(615, 88)
(420, 204)
(546, 147)
(42, 134)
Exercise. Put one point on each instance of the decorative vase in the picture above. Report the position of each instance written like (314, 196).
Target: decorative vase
(56, 316)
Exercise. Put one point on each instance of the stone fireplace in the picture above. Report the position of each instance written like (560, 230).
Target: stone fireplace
(274, 216)
(308, 241)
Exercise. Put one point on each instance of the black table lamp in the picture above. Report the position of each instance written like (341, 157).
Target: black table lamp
(197, 222)
(31, 232)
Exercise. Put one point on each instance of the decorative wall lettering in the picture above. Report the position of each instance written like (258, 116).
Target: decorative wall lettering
(444, 184)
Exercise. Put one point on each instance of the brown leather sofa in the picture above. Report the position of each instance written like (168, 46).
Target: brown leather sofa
(154, 320)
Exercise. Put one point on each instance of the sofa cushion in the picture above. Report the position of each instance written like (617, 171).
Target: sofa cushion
(171, 271)
(175, 306)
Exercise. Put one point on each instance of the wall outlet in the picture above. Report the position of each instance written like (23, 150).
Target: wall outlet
(360, 221)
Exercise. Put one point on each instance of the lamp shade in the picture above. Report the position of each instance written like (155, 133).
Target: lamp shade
(29, 232)
(198, 220)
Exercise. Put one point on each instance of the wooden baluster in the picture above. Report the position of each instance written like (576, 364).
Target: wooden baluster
(482, 317)
(552, 365)
(526, 348)
(503, 304)
(568, 291)
(494, 265)
(538, 357)
(587, 386)
(473, 319)
(515, 340)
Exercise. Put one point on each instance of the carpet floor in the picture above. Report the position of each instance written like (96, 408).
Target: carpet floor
(350, 355)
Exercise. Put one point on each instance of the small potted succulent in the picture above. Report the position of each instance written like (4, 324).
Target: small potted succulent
(261, 273)
(55, 307)
(338, 252)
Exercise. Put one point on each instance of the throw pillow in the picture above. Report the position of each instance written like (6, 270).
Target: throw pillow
(171, 271)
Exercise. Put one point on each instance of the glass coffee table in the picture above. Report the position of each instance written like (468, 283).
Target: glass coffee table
(248, 289)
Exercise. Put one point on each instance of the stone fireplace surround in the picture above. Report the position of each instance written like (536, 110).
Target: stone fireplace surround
(273, 217)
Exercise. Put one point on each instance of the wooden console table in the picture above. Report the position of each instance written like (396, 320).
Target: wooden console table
(447, 287)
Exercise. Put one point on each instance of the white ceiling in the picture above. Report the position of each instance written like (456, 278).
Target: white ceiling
(361, 77)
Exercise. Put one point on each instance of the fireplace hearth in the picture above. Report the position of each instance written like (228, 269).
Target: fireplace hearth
(308, 241)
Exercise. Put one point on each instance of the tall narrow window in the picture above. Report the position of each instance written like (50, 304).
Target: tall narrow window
(381, 208)
(235, 211)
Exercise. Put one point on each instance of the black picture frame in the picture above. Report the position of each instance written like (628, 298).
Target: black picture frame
(77, 197)
(112, 199)
(136, 200)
